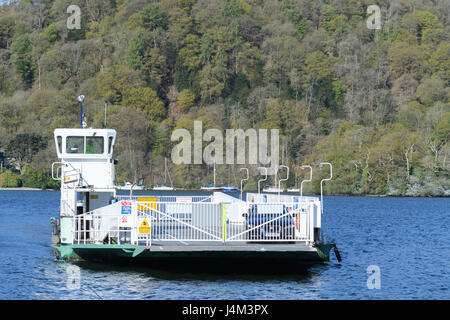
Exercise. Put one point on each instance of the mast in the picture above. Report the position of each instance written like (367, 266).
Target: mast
(170, 179)
(214, 173)
(165, 171)
(276, 176)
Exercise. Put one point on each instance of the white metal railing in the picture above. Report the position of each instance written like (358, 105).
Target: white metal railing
(91, 228)
(197, 222)
(66, 209)
(182, 222)
(67, 176)
(179, 199)
(267, 223)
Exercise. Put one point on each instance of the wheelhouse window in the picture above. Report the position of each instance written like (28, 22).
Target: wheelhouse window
(59, 138)
(110, 141)
(94, 145)
(75, 144)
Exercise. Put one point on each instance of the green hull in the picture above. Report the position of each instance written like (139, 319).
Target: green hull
(195, 256)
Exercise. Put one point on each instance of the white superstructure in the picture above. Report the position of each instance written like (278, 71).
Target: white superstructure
(86, 172)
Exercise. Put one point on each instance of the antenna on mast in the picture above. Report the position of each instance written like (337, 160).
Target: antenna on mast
(83, 124)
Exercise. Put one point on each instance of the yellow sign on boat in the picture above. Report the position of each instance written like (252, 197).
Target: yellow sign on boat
(146, 206)
(144, 227)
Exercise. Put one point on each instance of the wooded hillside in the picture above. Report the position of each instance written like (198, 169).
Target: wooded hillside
(375, 103)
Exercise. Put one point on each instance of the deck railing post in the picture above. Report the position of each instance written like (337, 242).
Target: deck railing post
(321, 188)
(224, 222)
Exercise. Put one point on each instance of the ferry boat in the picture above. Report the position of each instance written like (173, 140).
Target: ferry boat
(210, 231)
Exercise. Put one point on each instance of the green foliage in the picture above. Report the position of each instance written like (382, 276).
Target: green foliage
(153, 17)
(410, 115)
(147, 100)
(52, 33)
(6, 31)
(33, 178)
(137, 50)
(9, 180)
(189, 54)
(185, 100)
(373, 102)
(440, 60)
(432, 90)
(442, 131)
(114, 82)
(206, 48)
(23, 146)
(231, 8)
(318, 66)
(338, 92)
(420, 22)
(406, 58)
(22, 59)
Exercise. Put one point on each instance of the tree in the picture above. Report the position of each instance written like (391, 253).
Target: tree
(432, 90)
(442, 131)
(23, 146)
(421, 21)
(115, 81)
(210, 86)
(137, 50)
(133, 154)
(248, 62)
(318, 67)
(185, 100)
(22, 59)
(147, 100)
(155, 68)
(153, 17)
(406, 58)
(6, 31)
(189, 54)
(440, 60)
(273, 114)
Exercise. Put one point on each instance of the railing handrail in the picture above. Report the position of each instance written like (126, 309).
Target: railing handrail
(176, 223)
(178, 220)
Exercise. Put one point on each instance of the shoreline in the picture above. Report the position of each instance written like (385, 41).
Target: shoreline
(26, 189)
(316, 195)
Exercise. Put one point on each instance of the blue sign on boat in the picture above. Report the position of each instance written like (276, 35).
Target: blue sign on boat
(126, 207)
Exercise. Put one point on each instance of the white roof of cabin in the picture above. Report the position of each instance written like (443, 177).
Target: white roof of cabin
(84, 132)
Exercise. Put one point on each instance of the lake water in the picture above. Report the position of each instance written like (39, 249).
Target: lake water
(407, 238)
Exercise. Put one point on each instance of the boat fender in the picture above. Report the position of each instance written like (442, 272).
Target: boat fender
(336, 252)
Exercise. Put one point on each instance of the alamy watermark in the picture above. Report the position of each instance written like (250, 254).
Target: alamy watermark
(256, 151)
(374, 20)
(74, 21)
(73, 277)
(374, 279)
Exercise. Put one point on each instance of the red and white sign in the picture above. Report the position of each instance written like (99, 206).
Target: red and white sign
(184, 199)
(126, 208)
